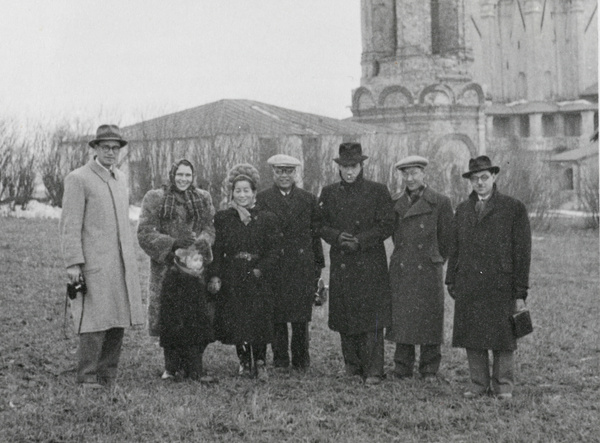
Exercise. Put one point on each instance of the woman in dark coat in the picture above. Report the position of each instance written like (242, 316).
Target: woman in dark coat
(246, 252)
(174, 218)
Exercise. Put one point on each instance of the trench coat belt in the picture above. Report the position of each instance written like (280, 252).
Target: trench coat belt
(246, 256)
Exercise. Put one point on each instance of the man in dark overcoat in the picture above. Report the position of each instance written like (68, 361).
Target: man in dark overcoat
(488, 273)
(358, 216)
(299, 268)
(422, 237)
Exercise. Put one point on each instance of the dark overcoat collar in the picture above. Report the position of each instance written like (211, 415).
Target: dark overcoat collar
(423, 206)
(281, 204)
(489, 207)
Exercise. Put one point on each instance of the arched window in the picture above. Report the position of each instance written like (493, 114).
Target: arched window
(444, 26)
(568, 180)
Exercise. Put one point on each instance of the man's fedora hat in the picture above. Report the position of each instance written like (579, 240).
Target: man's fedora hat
(481, 163)
(350, 154)
(412, 161)
(108, 133)
(283, 160)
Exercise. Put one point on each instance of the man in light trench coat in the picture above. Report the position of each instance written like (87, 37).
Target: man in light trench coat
(488, 277)
(422, 237)
(97, 246)
(301, 262)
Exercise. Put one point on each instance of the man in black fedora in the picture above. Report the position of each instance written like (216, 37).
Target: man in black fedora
(97, 246)
(488, 273)
(358, 216)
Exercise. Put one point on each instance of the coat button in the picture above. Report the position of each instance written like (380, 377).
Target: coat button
(420, 267)
(401, 265)
(343, 266)
(422, 226)
(301, 251)
(420, 246)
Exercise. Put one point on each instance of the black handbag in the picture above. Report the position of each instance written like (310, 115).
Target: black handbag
(521, 323)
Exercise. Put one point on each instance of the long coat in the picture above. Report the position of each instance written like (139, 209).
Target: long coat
(301, 252)
(489, 262)
(95, 233)
(245, 303)
(421, 241)
(359, 291)
(156, 236)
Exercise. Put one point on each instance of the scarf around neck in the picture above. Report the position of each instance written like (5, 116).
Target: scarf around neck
(244, 213)
(191, 199)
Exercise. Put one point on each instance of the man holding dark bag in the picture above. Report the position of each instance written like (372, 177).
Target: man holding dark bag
(488, 277)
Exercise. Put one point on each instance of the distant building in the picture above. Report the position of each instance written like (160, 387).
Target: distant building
(218, 135)
(467, 77)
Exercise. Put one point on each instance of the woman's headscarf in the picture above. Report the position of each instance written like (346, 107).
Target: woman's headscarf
(192, 199)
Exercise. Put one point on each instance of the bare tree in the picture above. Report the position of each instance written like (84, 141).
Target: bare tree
(63, 150)
(17, 159)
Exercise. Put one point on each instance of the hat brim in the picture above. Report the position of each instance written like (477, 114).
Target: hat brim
(94, 142)
(492, 169)
(411, 165)
(350, 160)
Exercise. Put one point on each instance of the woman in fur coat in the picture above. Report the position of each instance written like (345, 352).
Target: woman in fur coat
(177, 232)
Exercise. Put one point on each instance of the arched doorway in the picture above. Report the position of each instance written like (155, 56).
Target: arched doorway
(449, 159)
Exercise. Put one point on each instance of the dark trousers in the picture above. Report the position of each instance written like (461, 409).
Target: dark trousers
(186, 360)
(98, 355)
(429, 359)
(249, 354)
(502, 379)
(363, 353)
(299, 345)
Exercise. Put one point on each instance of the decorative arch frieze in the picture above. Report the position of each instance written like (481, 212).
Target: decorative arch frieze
(393, 90)
(440, 88)
(363, 99)
(475, 87)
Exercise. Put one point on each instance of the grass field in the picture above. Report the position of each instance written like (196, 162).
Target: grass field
(557, 396)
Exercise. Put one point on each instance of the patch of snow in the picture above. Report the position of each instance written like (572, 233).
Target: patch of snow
(36, 209)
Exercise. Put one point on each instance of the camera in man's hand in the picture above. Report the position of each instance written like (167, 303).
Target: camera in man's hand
(76, 287)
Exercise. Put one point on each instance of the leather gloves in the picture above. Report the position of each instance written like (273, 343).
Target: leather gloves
(348, 242)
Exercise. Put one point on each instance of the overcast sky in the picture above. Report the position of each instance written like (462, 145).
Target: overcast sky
(141, 58)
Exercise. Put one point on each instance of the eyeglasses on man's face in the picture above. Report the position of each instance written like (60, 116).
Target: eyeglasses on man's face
(284, 170)
(109, 148)
(477, 178)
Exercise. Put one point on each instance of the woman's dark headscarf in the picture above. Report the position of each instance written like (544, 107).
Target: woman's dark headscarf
(191, 197)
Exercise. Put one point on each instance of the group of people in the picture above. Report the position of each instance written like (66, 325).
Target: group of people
(247, 275)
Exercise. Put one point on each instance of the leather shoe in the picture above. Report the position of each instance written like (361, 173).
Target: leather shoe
(471, 394)
(372, 381)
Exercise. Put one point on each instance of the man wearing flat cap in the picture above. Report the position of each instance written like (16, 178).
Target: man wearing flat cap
(488, 277)
(97, 247)
(358, 216)
(422, 235)
(295, 282)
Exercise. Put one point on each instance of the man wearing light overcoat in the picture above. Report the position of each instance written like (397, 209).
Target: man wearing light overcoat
(98, 247)
(488, 277)
(299, 268)
(422, 237)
